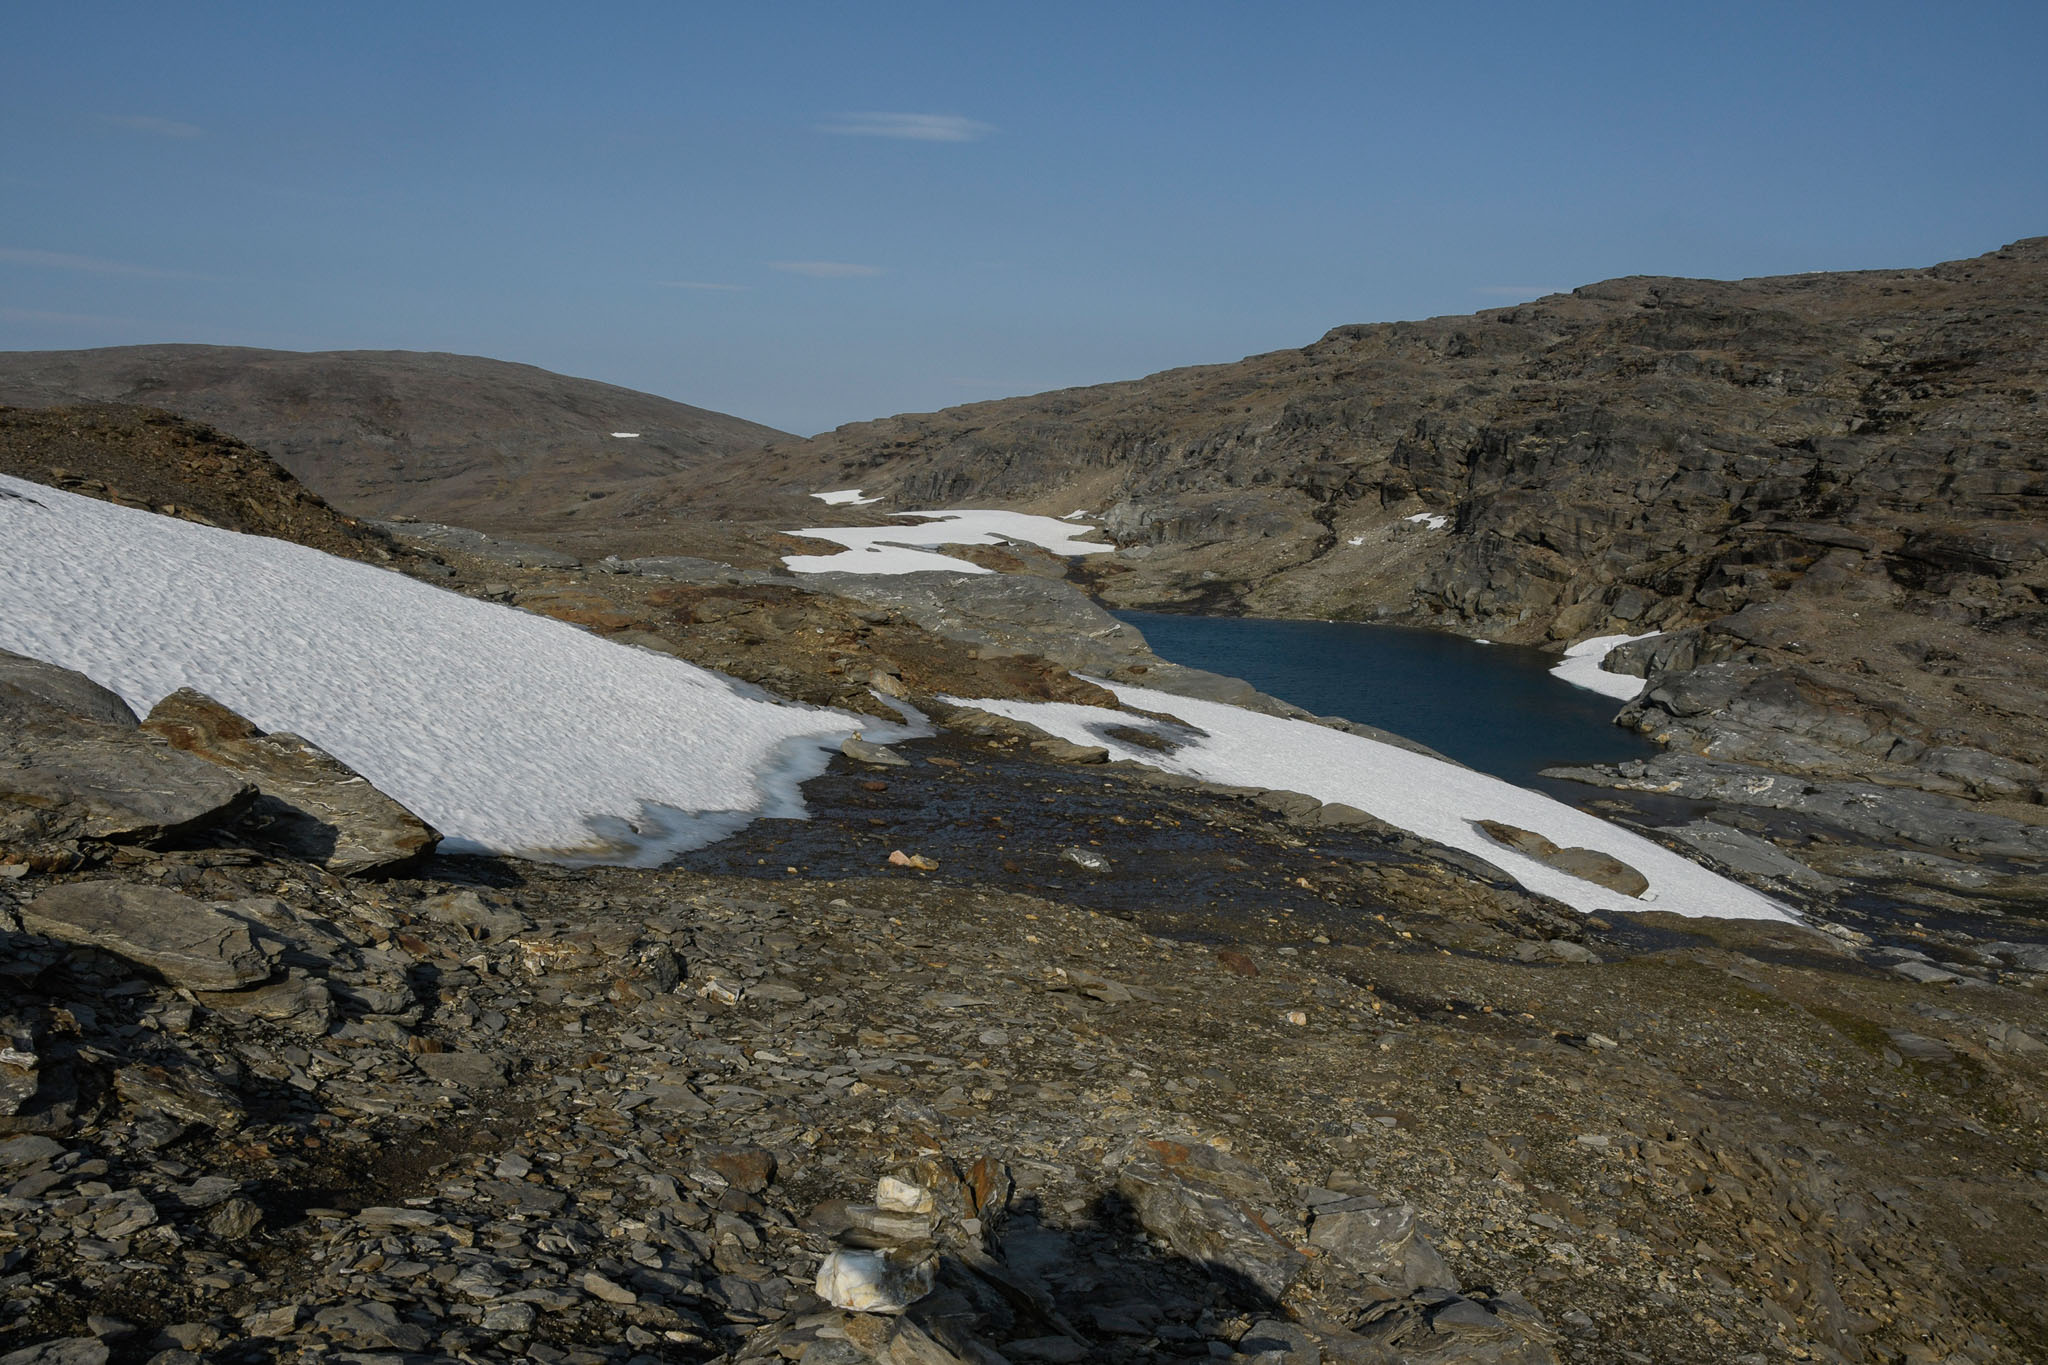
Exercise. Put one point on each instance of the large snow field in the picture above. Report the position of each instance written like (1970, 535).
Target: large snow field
(1583, 666)
(1428, 797)
(508, 732)
(894, 549)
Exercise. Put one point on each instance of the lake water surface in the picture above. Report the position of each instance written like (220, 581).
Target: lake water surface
(1492, 707)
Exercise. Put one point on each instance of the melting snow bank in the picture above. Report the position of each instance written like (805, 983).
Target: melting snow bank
(1435, 521)
(893, 549)
(1582, 666)
(1428, 797)
(843, 496)
(506, 731)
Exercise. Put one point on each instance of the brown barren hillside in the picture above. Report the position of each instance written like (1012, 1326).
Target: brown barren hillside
(456, 438)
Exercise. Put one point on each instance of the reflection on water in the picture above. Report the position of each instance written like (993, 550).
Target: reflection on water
(1492, 707)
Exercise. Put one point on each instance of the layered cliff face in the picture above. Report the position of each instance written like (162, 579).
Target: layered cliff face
(1831, 489)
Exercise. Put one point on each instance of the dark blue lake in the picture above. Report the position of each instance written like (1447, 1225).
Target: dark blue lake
(1492, 707)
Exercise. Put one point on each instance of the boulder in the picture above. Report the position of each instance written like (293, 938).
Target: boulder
(23, 678)
(187, 942)
(1588, 864)
(1211, 1208)
(67, 778)
(312, 805)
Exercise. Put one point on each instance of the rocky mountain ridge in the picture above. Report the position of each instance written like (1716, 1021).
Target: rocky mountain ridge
(1829, 491)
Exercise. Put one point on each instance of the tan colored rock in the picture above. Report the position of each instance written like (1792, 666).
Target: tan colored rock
(1590, 864)
(312, 805)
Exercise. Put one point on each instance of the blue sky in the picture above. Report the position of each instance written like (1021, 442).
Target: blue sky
(813, 214)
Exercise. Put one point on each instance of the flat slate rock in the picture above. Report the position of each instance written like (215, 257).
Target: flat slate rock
(312, 805)
(187, 942)
(1211, 1208)
(73, 779)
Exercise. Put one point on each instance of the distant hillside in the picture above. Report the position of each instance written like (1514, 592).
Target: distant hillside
(1630, 453)
(1830, 491)
(452, 438)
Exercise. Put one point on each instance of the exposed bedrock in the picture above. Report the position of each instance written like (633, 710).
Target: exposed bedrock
(1838, 482)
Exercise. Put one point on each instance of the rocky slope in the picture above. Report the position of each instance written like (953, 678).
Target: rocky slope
(1120, 1068)
(1829, 490)
(255, 1110)
(447, 437)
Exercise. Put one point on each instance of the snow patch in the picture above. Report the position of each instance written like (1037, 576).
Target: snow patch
(1583, 666)
(1076, 513)
(508, 732)
(1429, 797)
(1435, 521)
(895, 549)
(841, 497)
(625, 436)
(1356, 540)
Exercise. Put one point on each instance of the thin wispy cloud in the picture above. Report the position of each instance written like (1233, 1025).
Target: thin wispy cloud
(1516, 291)
(158, 127)
(706, 285)
(826, 270)
(90, 265)
(908, 127)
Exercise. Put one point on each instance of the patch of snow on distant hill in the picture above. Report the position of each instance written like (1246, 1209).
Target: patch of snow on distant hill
(508, 732)
(1583, 666)
(1426, 796)
(1435, 521)
(844, 496)
(896, 549)
(625, 435)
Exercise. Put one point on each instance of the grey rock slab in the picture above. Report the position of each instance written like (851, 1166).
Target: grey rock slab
(868, 752)
(1211, 1208)
(1384, 1241)
(1926, 973)
(77, 779)
(28, 1150)
(1748, 855)
(313, 805)
(189, 943)
(184, 1093)
(1886, 813)
(65, 689)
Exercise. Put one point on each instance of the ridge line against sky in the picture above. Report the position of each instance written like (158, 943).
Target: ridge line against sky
(813, 214)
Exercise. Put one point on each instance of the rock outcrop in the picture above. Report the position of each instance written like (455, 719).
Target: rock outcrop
(74, 766)
(310, 804)
(1829, 488)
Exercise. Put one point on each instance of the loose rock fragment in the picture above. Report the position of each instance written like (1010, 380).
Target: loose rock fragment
(875, 1281)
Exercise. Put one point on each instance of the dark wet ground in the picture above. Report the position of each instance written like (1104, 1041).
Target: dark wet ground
(1186, 863)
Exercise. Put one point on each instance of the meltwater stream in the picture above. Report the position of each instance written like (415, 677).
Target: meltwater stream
(1495, 708)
